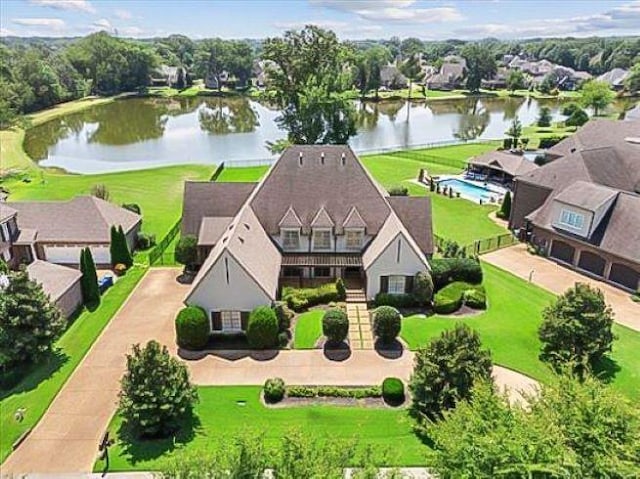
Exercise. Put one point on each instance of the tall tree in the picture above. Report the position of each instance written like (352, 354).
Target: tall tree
(632, 82)
(515, 131)
(89, 280)
(515, 81)
(481, 64)
(597, 95)
(156, 391)
(445, 372)
(29, 323)
(308, 80)
(412, 70)
(577, 329)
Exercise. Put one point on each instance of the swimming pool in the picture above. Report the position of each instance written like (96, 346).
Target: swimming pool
(470, 190)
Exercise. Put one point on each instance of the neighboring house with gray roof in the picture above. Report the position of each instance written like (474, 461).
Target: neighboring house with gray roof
(166, 75)
(56, 231)
(317, 215)
(615, 78)
(392, 78)
(501, 166)
(60, 283)
(583, 208)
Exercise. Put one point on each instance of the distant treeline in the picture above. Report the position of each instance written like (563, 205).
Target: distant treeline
(36, 73)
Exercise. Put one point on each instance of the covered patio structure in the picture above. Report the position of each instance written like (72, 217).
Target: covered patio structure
(312, 269)
(499, 167)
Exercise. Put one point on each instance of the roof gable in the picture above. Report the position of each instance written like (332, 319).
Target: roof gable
(290, 219)
(354, 220)
(322, 219)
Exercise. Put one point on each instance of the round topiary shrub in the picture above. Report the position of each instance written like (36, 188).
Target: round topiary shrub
(423, 288)
(262, 330)
(335, 325)
(393, 391)
(273, 390)
(192, 328)
(386, 323)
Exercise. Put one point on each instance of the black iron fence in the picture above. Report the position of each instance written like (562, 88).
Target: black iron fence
(478, 247)
(159, 255)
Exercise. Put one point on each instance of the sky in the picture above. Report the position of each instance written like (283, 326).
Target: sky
(350, 19)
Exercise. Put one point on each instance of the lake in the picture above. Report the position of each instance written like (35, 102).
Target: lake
(146, 132)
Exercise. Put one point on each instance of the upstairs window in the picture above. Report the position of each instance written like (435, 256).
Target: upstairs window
(321, 239)
(354, 239)
(290, 239)
(572, 219)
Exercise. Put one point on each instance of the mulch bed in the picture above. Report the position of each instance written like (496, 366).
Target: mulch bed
(467, 311)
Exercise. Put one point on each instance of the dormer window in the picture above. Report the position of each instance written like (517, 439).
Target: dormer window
(321, 239)
(572, 219)
(354, 238)
(290, 238)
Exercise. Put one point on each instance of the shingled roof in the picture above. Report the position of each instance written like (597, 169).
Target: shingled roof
(54, 278)
(415, 214)
(83, 219)
(211, 199)
(510, 163)
(6, 211)
(304, 180)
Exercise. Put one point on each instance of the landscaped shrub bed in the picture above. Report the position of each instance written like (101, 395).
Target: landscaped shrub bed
(395, 300)
(450, 298)
(335, 325)
(300, 299)
(262, 331)
(448, 270)
(387, 322)
(393, 391)
(333, 391)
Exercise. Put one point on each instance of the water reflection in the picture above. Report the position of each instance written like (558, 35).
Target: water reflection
(139, 132)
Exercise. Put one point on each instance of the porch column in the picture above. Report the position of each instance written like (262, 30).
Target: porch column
(607, 270)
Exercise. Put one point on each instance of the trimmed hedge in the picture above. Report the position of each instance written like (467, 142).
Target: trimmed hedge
(335, 325)
(333, 391)
(273, 390)
(550, 141)
(450, 298)
(192, 328)
(284, 315)
(448, 270)
(395, 300)
(387, 322)
(262, 330)
(393, 391)
(300, 299)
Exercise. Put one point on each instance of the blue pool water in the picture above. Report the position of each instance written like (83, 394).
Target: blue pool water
(469, 190)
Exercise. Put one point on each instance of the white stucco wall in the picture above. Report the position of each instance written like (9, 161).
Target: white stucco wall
(387, 264)
(241, 293)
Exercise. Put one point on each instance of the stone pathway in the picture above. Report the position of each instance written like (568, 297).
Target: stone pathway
(360, 334)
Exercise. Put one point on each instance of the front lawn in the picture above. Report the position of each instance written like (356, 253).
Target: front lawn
(158, 191)
(38, 389)
(308, 329)
(220, 417)
(509, 328)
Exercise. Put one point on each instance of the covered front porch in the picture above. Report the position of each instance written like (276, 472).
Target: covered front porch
(311, 270)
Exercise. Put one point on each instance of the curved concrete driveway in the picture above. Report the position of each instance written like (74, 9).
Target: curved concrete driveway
(555, 278)
(66, 438)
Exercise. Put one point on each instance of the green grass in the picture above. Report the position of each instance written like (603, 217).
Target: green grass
(221, 418)
(308, 329)
(243, 174)
(158, 191)
(453, 218)
(37, 390)
(509, 328)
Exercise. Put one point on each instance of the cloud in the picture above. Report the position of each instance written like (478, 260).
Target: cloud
(343, 29)
(624, 17)
(132, 31)
(55, 24)
(102, 24)
(123, 14)
(77, 5)
(5, 32)
(397, 11)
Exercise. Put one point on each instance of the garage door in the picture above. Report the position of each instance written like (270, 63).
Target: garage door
(592, 263)
(562, 251)
(71, 254)
(624, 276)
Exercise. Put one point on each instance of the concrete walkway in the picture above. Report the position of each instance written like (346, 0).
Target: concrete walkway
(360, 334)
(66, 438)
(557, 279)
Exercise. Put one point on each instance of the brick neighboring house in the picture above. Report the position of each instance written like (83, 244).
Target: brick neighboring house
(45, 235)
(583, 208)
(316, 215)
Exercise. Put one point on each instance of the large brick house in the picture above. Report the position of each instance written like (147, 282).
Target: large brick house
(317, 215)
(583, 208)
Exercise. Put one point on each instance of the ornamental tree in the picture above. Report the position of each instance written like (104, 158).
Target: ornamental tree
(422, 288)
(186, 251)
(335, 325)
(89, 280)
(597, 95)
(29, 322)
(577, 329)
(156, 391)
(445, 371)
(505, 208)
